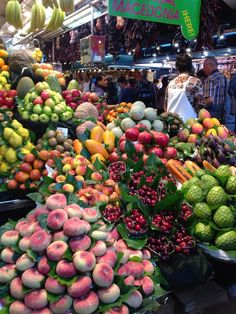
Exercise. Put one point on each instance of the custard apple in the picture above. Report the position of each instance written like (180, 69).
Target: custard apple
(216, 197)
(208, 182)
(204, 232)
(226, 241)
(224, 218)
(202, 211)
(223, 173)
(194, 195)
(231, 185)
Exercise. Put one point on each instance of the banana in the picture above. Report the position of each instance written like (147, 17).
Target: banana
(33, 18)
(55, 2)
(14, 14)
(61, 18)
(67, 5)
(42, 19)
(51, 24)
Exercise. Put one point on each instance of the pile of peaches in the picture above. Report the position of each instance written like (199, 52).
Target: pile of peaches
(63, 258)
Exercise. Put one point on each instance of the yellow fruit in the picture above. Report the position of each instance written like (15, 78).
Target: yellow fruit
(96, 134)
(109, 140)
(15, 140)
(7, 87)
(3, 53)
(24, 151)
(7, 132)
(97, 156)
(95, 147)
(16, 124)
(3, 150)
(29, 146)
(11, 155)
(3, 80)
(4, 167)
(23, 132)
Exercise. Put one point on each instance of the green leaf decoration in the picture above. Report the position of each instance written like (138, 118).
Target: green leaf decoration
(53, 297)
(68, 255)
(129, 149)
(137, 244)
(33, 255)
(42, 219)
(38, 198)
(88, 173)
(82, 137)
(65, 281)
(4, 288)
(98, 165)
(135, 259)
(170, 201)
(147, 306)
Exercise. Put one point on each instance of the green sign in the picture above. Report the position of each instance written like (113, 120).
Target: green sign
(179, 12)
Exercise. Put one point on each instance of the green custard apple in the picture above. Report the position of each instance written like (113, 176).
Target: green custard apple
(224, 218)
(202, 211)
(199, 173)
(226, 241)
(216, 197)
(223, 173)
(208, 182)
(204, 232)
(194, 195)
(231, 185)
(194, 181)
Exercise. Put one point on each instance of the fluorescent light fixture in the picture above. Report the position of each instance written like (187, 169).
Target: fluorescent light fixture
(158, 48)
(166, 45)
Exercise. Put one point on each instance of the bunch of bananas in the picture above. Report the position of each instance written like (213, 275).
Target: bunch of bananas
(38, 17)
(67, 5)
(57, 19)
(14, 14)
(50, 3)
(37, 55)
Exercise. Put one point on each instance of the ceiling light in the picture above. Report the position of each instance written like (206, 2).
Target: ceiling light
(176, 45)
(188, 50)
(222, 37)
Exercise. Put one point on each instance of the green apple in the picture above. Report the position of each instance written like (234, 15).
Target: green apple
(59, 97)
(25, 115)
(29, 106)
(34, 117)
(37, 109)
(50, 92)
(54, 117)
(33, 95)
(58, 110)
(20, 110)
(47, 110)
(45, 85)
(65, 116)
(50, 103)
(39, 87)
(44, 118)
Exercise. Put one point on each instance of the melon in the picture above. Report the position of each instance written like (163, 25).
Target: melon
(150, 114)
(127, 123)
(24, 86)
(158, 125)
(136, 113)
(117, 131)
(139, 104)
(146, 123)
(86, 110)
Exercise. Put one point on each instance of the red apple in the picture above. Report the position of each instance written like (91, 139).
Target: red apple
(93, 97)
(164, 161)
(11, 93)
(132, 134)
(122, 146)
(73, 105)
(141, 127)
(66, 93)
(156, 150)
(139, 148)
(145, 137)
(170, 152)
(9, 102)
(38, 101)
(161, 139)
(2, 101)
(122, 138)
(69, 99)
(75, 93)
(114, 157)
(44, 95)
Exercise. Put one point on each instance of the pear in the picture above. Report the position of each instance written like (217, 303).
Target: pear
(7, 132)
(3, 150)
(11, 155)
(29, 146)
(16, 125)
(23, 132)
(15, 140)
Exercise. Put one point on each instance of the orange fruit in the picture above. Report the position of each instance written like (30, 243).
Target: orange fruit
(215, 121)
(5, 68)
(2, 62)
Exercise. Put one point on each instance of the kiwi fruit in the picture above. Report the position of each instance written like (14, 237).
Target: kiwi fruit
(60, 138)
(67, 145)
(52, 142)
(51, 134)
(38, 147)
(69, 140)
(60, 148)
(176, 121)
(40, 141)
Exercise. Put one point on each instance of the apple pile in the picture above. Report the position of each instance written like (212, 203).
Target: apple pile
(44, 105)
(73, 98)
(145, 142)
(45, 69)
(7, 99)
(28, 174)
(56, 261)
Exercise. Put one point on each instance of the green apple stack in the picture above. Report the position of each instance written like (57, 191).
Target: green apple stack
(213, 202)
(42, 104)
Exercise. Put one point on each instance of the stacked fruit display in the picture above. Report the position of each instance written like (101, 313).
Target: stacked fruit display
(138, 114)
(172, 122)
(44, 105)
(37, 55)
(73, 98)
(15, 141)
(212, 197)
(4, 71)
(46, 69)
(61, 258)
(7, 99)
(121, 108)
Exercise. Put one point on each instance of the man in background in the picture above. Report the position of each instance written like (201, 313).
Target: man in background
(146, 91)
(215, 89)
(100, 87)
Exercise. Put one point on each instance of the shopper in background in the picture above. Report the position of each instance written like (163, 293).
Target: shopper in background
(112, 92)
(161, 95)
(100, 87)
(86, 84)
(215, 89)
(127, 92)
(184, 94)
(232, 94)
(201, 75)
(146, 90)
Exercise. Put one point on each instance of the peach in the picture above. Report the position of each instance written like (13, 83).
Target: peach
(40, 240)
(108, 258)
(222, 132)
(99, 235)
(129, 281)
(73, 210)
(7, 273)
(138, 282)
(80, 288)
(62, 305)
(121, 245)
(147, 285)
(24, 244)
(190, 122)
(56, 250)
(135, 299)
(24, 262)
(148, 267)
(103, 275)
(68, 188)
(56, 219)
(25, 228)
(211, 132)
(79, 178)
(110, 182)
(131, 268)
(56, 201)
(135, 253)
(99, 248)
(42, 311)
(19, 307)
(66, 168)
(80, 243)
(203, 114)
(53, 286)
(208, 123)
(183, 135)
(65, 269)
(43, 266)
(74, 227)
(31, 278)
(96, 176)
(41, 211)
(17, 289)
(36, 299)
(192, 138)
(87, 226)
(60, 179)
(60, 236)
(87, 305)
(10, 238)
(123, 309)
(215, 121)
(114, 197)
(84, 261)
(8, 256)
(107, 190)
(197, 128)
(81, 170)
(146, 254)
(109, 295)
(90, 214)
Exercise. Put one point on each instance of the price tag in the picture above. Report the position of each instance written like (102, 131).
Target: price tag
(64, 131)
(49, 170)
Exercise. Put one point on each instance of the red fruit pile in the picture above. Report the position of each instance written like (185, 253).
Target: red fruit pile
(136, 223)
(115, 170)
(161, 246)
(164, 221)
(112, 213)
(183, 242)
(186, 211)
(7, 99)
(73, 98)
